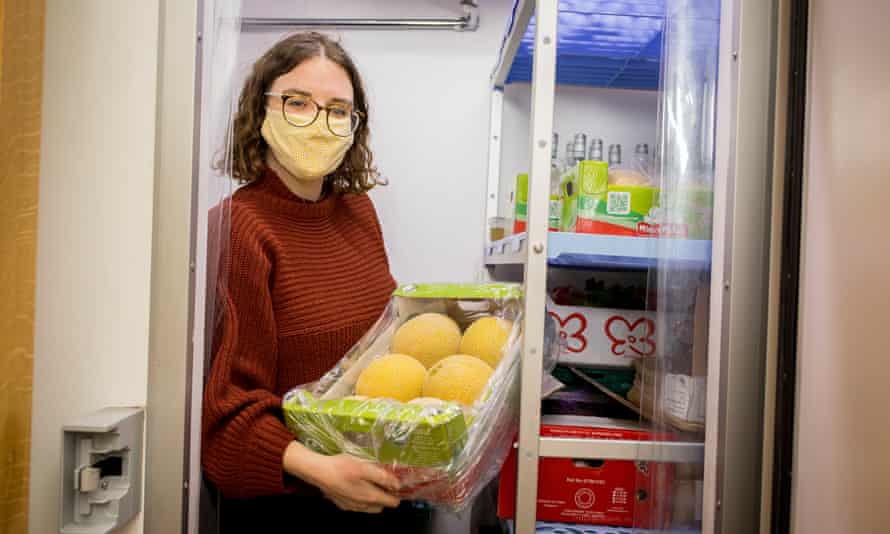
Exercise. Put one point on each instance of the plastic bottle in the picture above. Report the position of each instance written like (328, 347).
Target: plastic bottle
(579, 148)
(596, 150)
(614, 156)
(641, 161)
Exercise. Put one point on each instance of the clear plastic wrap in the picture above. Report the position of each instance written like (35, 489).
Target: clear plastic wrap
(443, 452)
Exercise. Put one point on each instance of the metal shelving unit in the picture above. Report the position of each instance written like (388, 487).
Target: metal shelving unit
(731, 443)
(543, 90)
(617, 449)
(606, 252)
(559, 528)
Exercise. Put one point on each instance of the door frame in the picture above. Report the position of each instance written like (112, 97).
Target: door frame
(168, 455)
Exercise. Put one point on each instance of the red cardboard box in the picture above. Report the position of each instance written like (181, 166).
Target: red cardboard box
(617, 493)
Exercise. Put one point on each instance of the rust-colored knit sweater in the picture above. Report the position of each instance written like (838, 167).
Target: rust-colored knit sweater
(306, 280)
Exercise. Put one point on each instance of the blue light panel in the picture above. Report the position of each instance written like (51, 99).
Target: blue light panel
(601, 43)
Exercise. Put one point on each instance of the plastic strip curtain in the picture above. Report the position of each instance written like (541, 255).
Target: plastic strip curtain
(221, 32)
(673, 383)
(219, 94)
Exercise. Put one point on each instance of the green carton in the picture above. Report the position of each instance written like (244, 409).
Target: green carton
(583, 190)
(593, 180)
(569, 187)
(691, 209)
(378, 429)
(520, 213)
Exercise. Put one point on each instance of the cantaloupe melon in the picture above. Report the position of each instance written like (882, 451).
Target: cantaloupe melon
(429, 337)
(459, 378)
(394, 376)
(486, 339)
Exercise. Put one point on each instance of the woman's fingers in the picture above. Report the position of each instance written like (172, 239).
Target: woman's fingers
(368, 494)
(372, 501)
(347, 505)
(376, 496)
(381, 477)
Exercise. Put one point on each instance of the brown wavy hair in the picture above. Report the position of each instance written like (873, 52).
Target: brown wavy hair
(356, 174)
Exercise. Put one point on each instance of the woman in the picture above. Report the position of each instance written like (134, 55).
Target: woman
(307, 275)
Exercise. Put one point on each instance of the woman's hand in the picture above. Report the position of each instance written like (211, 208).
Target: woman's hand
(352, 484)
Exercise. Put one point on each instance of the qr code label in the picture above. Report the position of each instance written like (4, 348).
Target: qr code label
(618, 203)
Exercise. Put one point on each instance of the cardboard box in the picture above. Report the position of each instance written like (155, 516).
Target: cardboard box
(685, 396)
(603, 492)
(681, 396)
(407, 434)
(520, 205)
(621, 210)
(603, 336)
(591, 205)
(686, 212)
(568, 185)
(612, 209)
(687, 503)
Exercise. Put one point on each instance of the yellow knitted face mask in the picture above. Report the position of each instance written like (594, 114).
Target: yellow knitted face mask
(310, 152)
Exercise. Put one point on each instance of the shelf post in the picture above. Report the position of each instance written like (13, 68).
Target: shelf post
(495, 125)
(543, 94)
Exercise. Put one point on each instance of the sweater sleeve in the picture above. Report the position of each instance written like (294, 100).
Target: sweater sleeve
(244, 437)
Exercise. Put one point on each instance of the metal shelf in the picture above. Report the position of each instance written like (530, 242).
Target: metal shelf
(735, 351)
(598, 46)
(522, 14)
(601, 46)
(591, 251)
(620, 449)
(511, 250)
(543, 527)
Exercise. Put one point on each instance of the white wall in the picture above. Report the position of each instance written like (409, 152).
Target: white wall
(429, 92)
(842, 468)
(94, 225)
(617, 116)
(433, 213)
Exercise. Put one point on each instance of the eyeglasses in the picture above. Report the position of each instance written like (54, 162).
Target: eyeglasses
(301, 111)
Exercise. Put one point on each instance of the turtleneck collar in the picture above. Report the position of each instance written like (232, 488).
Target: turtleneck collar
(270, 184)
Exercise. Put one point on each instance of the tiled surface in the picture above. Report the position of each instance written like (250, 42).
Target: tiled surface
(21, 66)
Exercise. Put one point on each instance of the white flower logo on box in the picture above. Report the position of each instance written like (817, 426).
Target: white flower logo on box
(571, 332)
(631, 339)
(585, 498)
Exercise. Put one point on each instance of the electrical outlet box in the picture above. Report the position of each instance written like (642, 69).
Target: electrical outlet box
(102, 471)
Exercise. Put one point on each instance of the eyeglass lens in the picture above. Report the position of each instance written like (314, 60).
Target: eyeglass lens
(302, 111)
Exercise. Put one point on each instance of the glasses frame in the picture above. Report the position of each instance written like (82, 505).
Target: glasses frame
(318, 109)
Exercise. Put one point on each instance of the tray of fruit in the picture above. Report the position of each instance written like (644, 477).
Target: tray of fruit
(430, 392)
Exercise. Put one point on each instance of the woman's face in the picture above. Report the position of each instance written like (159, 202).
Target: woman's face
(319, 78)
